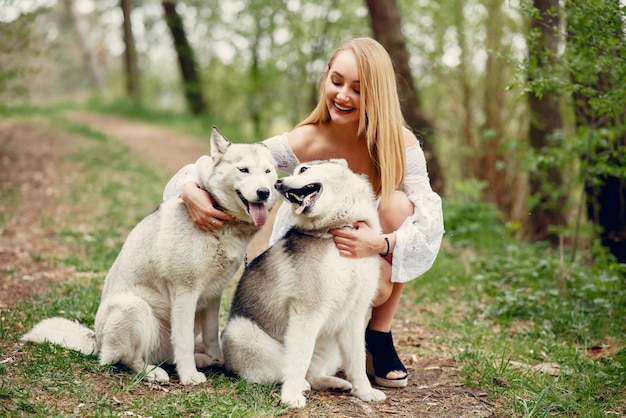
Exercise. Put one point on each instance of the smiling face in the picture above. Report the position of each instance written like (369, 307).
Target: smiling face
(342, 89)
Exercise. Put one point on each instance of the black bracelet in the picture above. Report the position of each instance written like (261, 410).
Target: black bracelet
(386, 252)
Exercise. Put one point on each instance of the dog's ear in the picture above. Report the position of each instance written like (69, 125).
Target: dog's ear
(219, 143)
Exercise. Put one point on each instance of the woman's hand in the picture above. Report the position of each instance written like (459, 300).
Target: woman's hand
(361, 241)
(200, 206)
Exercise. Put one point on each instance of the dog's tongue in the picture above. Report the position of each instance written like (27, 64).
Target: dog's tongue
(259, 213)
(306, 202)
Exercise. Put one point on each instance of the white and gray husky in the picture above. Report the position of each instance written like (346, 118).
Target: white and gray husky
(299, 310)
(170, 275)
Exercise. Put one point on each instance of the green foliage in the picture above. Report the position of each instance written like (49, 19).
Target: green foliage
(468, 219)
(17, 39)
(504, 306)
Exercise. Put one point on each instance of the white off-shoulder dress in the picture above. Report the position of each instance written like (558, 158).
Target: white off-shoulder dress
(417, 240)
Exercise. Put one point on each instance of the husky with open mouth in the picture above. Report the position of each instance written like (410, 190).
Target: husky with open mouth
(170, 274)
(299, 310)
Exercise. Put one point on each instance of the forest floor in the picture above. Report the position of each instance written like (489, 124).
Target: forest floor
(31, 163)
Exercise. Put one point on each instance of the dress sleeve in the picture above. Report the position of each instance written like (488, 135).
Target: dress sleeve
(286, 160)
(188, 173)
(419, 237)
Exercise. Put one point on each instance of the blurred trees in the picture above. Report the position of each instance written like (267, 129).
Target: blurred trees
(596, 58)
(131, 66)
(584, 68)
(546, 125)
(521, 107)
(387, 27)
(91, 63)
(192, 85)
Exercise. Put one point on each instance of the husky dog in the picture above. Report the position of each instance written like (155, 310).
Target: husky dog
(170, 275)
(299, 310)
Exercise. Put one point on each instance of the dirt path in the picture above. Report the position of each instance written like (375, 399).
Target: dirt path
(32, 165)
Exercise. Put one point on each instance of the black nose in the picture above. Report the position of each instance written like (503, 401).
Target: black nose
(263, 193)
(278, 183)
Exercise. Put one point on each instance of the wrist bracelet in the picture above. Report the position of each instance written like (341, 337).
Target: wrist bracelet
(386, 252)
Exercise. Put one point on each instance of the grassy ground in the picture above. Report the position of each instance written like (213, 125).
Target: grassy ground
(543, 336)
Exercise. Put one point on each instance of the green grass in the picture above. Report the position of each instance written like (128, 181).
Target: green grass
(183, 122)
(503, 303)
(493, 302)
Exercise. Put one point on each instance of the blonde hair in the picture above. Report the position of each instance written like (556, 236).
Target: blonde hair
(380, 120)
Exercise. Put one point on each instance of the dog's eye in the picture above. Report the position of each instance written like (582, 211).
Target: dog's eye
(303, 169)
(268, 171)
(243, 170)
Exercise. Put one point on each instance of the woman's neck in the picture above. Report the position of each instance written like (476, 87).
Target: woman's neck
(345, 134)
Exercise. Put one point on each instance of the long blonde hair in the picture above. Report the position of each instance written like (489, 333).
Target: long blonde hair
(380, 120)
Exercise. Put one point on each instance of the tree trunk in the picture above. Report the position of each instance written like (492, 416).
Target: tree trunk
(492, 161)
(386, 24)
(546, 183)
(191, 79)
(82, 38)
(130, 54)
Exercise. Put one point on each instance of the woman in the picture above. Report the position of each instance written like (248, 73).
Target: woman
(358, 118)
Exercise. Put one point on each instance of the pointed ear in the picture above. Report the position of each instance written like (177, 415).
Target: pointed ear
(219, 143)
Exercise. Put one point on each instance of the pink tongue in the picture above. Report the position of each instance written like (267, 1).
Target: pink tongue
(306, 202)
(259, 213)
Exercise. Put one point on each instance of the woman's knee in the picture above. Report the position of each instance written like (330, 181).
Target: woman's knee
(385, 286)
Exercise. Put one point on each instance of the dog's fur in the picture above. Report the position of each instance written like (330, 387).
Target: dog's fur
(299, 310)
(170, 274)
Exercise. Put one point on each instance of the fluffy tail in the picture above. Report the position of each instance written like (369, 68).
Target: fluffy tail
(66, 333)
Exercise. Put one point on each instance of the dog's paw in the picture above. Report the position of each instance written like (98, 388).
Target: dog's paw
(203, 360)
(372, 395)
(193, 378)
(293, 394)
(157, 374)
(294, 400)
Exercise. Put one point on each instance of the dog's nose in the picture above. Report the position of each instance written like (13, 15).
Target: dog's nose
(278, 183)
(263, 193)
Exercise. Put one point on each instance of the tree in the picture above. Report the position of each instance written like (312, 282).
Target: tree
(130, 53)
(595, 54)
(82, 38)
(546, 126)
(490, 162)
(192, 84)
(386, 24)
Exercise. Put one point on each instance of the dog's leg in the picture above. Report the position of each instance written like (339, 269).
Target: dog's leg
(324, 365)
(251, 352)
(183, 313)
(300, 337)
(208, 319)
(127, 332)
(352, 346)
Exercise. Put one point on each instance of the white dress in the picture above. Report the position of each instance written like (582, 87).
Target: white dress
(418, 238)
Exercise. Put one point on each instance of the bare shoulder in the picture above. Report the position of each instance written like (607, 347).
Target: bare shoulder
(303, 133)
(302, 141)
(409, 137)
